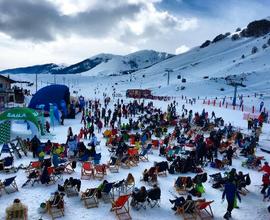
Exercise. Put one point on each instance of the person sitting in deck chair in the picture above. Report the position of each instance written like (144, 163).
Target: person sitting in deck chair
(150, 175)
(153, 195)
(177, 202)
(57, 200)
(189, 204)
(139, 197)
(32, 178)
(16, 211)
(180, 202)
(100, 188)
(70, 182)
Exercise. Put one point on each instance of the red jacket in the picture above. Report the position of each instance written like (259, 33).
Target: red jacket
(266, 169)
(266, 179)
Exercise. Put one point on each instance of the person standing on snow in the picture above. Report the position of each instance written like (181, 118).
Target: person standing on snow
(230, 191)
(261, 105)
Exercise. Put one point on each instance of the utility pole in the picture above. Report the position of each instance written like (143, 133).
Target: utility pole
(168, 75)
(36, 83)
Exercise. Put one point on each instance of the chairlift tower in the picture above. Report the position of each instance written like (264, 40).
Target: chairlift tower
(169, 71)
(235, 83)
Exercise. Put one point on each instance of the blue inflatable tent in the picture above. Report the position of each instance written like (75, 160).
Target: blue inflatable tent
(56, 94)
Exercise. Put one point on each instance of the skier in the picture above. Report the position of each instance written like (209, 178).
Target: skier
(230, 190)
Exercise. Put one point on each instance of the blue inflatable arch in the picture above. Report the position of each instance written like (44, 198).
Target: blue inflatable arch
(59, 95)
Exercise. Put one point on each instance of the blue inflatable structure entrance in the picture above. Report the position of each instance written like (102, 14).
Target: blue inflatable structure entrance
(58, 95)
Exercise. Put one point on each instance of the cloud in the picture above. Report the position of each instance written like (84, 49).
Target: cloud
(151, 23)
(42, 21)
(182, 49)
(71, 30)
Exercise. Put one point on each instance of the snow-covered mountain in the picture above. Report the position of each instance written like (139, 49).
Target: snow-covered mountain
(242, 56)
(43, 68)
(108, 64)
(208, 69)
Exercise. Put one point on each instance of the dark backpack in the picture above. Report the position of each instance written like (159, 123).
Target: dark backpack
(204, 177)
(73, 164)
(171, 169)
(248, 181)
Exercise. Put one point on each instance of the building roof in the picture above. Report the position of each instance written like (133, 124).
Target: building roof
(7, 78)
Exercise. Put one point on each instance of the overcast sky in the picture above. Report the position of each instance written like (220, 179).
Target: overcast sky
(67, 31)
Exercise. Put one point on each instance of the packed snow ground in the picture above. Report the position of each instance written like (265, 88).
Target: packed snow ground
(252, 206)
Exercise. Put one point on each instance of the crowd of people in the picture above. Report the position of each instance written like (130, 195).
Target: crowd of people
(187, 142)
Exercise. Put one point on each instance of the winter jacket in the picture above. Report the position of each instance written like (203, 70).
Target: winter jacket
(72, 144)
(266, 179)
(266, 169)
(94, 140)
(16, 211)
(230, 191)
(55, 160)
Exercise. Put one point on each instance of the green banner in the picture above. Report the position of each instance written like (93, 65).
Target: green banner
(22, 114)
(5, 132)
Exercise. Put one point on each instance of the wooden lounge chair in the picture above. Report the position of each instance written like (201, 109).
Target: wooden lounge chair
(87, 170)
(204, 210)
(89, 198)
(121, 208)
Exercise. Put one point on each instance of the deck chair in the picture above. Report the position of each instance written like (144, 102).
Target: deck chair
(162, 168)
(70, 167)
(125, 162)
(32, 178)
(204, 210)
(114, 168)
(16, 150)
(132, 141)
(54, 174)
(153, 198)
(118, 187)
(183, 185)
(71, 191)
(6, 149)
(7, 165)
(144, 155)
(100, 171)
(9, 185)
(57, 210)
(106, 192)
(185, 213)
(155, 144)
(97, 158)
(121, 207)
(89, 198)
(34, 165)
(133, 159)
(87, 170)
(22, 146)
(129, 186)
